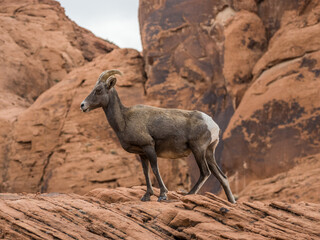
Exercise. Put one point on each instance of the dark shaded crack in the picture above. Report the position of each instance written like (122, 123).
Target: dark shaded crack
(282, 76)
(82, 82)
(5, 165)
(277, 62)
(69, 103)
(104, 181)
(145, 76)
(25, 144)
(286, 209)
(21, 230)
(304, 7)
(43, 184)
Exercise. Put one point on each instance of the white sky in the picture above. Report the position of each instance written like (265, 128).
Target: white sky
(115, 20)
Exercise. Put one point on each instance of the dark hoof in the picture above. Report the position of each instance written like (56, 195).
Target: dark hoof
(162, 198)
(145, 198)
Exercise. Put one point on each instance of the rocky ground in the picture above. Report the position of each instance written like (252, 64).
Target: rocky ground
(252, 65)
(118, 214)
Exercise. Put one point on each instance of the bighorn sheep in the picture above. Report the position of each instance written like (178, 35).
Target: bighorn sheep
(151, 132)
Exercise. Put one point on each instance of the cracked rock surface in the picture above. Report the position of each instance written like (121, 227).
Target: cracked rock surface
(71, 216)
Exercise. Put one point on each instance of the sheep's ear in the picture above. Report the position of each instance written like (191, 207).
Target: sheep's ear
(111, 81)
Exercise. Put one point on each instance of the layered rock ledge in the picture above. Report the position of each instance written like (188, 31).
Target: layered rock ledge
(119, 214)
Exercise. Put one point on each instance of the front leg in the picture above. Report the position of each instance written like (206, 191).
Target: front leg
(152, 156)
(145, 166)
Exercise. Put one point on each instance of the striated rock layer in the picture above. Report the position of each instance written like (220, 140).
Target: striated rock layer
(70, 216)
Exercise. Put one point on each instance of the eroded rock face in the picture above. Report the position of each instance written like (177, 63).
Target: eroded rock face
(70, 216)
(185, 52)
(202, 57)
(277, 120)
(256, 61)
(39, 46)
(301, 183)
(52, 146)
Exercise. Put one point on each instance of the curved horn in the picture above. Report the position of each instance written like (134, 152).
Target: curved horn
(106, 74)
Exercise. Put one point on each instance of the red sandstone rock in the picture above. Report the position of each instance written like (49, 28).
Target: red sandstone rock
(259, 58)
(277, 121)
(301, 183)
(52, 146)
(201, 57)
(244, 44)
(39, 45)
(70, 216)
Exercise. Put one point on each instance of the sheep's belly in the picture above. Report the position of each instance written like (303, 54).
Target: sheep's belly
(172, 148)
(172, 154)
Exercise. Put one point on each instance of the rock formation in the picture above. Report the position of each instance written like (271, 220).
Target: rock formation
(39, 45)
(253, 63)
(301, 183)
(278, 120)
(118, 214)
(246, 63)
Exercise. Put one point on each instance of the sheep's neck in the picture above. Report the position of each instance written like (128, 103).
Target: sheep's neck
(114, 112)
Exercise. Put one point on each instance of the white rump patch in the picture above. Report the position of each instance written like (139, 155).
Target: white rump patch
(212, 126)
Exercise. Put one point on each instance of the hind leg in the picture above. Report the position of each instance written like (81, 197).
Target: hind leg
(200, 158)
(217, 172)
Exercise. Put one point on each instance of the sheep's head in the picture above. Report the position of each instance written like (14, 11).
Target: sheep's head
(99, 97)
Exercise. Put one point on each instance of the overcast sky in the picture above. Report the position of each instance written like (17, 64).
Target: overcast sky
(115, 20)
